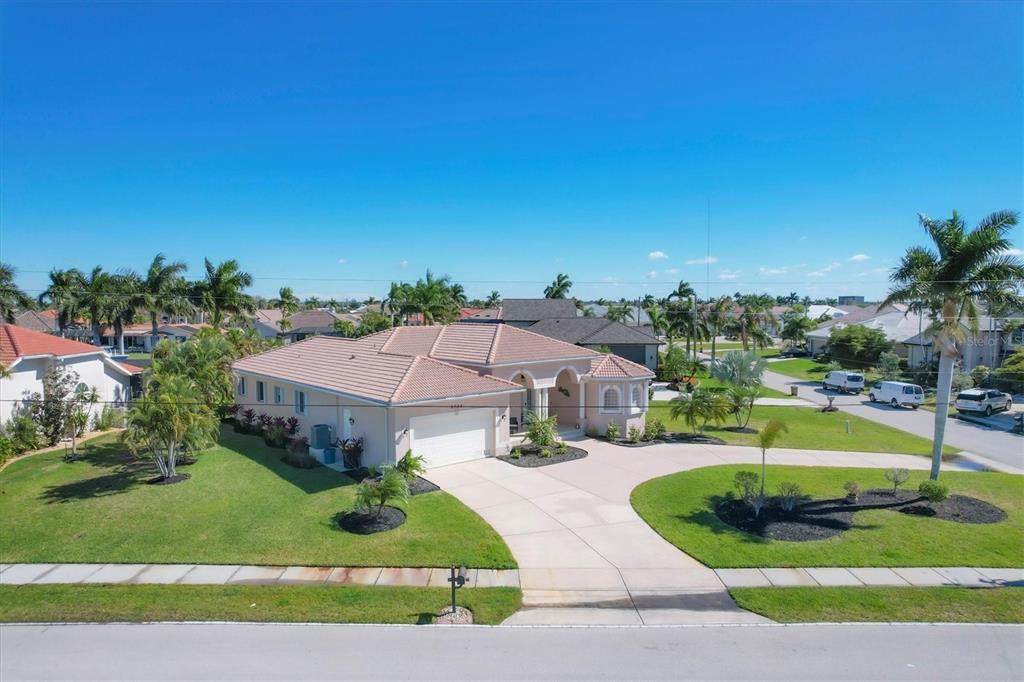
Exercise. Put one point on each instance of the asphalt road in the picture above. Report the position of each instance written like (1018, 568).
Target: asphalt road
(273, 652)
(1000, 446)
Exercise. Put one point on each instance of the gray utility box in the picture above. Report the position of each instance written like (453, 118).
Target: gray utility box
(321, 436)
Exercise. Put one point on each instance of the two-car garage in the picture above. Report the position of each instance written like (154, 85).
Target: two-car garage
(450, 437)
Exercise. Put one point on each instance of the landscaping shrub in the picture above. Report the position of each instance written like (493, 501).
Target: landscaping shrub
(352, 452)
(249, 419)
(108, 418)
(852, 489)
(372, 494)
(980, 374)
(300, 444)
(545, 453)
(962, 381)
(561, 447)
(274, 436)
(832, 366)
(516, 453)
(411, 465)
(789, 494)
(746, 483)
(897, 476)
(23, 433)
(612, 431)
(6, 449)
(857, 345)
(635, 434)
(541, 432)
(933, 491)
(889, 366)
(264, 421)
(291, 425)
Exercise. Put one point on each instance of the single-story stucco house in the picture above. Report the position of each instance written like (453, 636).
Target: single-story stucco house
(27, 356)
(449, 393)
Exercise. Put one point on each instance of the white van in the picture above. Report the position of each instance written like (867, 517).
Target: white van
(841, 380)
(897, 393)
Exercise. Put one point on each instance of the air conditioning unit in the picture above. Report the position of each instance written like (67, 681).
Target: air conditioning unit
(321, 436)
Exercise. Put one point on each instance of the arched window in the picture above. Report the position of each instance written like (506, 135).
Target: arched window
(610, 399)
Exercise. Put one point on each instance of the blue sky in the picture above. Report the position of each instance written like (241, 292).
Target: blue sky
(332, 146)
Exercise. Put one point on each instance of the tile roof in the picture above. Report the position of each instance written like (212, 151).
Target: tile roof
(37, 320)
(611, 366)
(474, 344)
(594, 331)
(528, 310)
(17, 342)
(357, 368)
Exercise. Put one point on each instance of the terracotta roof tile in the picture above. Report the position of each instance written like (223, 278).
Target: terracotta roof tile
(17, 342)
(474, 344)
(611, 366)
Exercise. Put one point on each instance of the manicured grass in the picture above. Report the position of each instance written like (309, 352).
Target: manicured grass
(765, 392)
(809, 369)
(140, 356)
(810, 428)
(680, 507)
(247, 603)
(242, 505)
(884, 604)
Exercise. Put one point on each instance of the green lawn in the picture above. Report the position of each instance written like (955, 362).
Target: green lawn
(884, 604)
(247, 603)
(810, 428)
(680, 508)
(140, 356)
(242, 505)
(809, 369)
(716, 385)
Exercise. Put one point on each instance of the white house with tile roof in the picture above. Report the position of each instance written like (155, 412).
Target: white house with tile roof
(449, 393)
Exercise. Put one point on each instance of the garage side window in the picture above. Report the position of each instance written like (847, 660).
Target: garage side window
(610, 399)
(300, 402)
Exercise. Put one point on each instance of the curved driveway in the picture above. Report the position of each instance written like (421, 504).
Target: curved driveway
(585, 556)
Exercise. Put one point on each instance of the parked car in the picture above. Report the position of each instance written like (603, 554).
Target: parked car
(841, 380)
(897, 394)
(983, 400)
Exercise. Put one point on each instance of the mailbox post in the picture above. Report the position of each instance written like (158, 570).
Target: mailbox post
(457, 579)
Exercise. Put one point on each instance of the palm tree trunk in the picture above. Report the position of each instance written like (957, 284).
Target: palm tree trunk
(714, 338)
(119, 332)
(155, 333)
(943, 388)
(97, 338)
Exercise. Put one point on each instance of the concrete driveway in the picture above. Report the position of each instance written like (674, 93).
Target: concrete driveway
(586, 557)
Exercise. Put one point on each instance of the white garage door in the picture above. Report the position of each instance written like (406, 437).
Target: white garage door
(449, 437)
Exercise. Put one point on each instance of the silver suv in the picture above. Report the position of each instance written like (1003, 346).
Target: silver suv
(983, 400)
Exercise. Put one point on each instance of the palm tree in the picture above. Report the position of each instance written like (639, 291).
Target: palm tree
(287, 302)
(749, 324)
(12, 298)
(62, 294)
(659, 323)
(311, 303)
(222, 290)
(493, 300)
(766, 440)
(397, 298)
(716, 316)
(559, 288)
(163, 290)
(620, 312)
(458, 294)
(124, 297)
(94, 300)
(967, 268)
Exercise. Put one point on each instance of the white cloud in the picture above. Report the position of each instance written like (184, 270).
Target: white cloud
(1014, 252)
(702, 261)
(823, 271)
(772, 271)
(403, 263)
(657, 255)
(728, 274)
(342, 261)
(859, 258)
(652, 274)
(873, 271)
(672, 271)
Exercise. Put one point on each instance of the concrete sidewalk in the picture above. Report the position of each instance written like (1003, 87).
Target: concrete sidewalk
(213, 574)
(871, 577)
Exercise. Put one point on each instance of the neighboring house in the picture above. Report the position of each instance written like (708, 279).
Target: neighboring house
(893, 320)
(313, 323)
(523, 312)
(28, 355)
(267, 322)
(38, 320)
(636, 344)
(639, 315)
(817, 311)
(449, 393)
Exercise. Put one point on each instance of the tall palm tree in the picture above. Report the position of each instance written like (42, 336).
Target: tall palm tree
(659, 323)
(493, 300)
(559, 288)
(124, 298)
(287, 302)
(717, 316)
(620, 312)
(94, 300)
(965, 269)
(750, 323)
(312, 303)
(397, 299)
(458, 294)
(12, 298)
(163, 290)
(62, 294)
(222, 290)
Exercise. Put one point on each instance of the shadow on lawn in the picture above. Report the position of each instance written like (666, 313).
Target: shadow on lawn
(316, 480)
(123, 472)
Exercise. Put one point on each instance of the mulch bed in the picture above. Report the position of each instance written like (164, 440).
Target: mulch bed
(301, 460)
(823, 519)
(531, 458)
(691, 438)
(362, 522)
(185, 461)
(177, 478)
